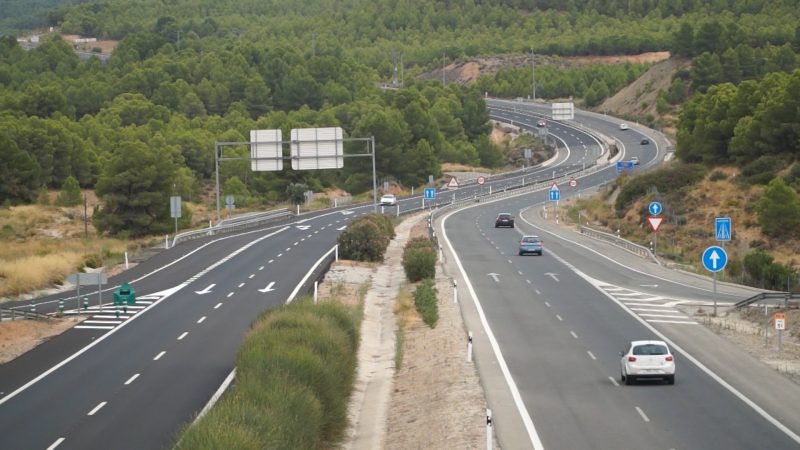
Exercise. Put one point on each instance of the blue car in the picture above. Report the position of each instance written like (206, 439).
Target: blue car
(531, 244)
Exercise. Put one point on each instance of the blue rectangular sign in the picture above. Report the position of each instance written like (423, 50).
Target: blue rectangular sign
(430, 193)
(722, 227)
(555, 195)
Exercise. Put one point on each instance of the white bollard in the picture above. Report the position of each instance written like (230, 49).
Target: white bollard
(489, 426)
(316, 283)
(469, 347)
(336, 253)
(455, 291)
(126, 260)
(166, 241)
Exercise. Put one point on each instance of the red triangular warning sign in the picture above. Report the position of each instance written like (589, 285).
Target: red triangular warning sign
(453, 183)
(655, 222)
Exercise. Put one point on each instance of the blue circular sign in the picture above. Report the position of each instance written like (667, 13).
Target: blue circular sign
(655, 208)
(715, 258)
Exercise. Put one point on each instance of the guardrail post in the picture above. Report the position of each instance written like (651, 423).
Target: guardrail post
(33, 309)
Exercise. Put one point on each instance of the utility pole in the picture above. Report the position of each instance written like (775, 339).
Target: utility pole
(533, 74)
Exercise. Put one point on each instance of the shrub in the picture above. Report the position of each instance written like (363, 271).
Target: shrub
(425, 301)
(762, 170)
(717, 175)
(419, 259)
(366, 238)
(295, 373)
(668, 180)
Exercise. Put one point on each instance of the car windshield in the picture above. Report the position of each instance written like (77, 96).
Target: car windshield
(504, 216)
(650, 349)
(531, 240)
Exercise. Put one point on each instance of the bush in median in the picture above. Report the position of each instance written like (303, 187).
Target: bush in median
(294, 377)
(425, 301)
(366, 238)
(419, 259)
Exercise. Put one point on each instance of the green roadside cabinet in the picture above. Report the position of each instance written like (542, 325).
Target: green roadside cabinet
(124, 294)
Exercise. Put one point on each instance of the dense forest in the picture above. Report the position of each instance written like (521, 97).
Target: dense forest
(188, 73)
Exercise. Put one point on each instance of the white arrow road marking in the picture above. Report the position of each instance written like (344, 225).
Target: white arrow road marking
(494, 277)
(342, 228)
(303, 227)
(552, 275)
(347, 213)
(206, 290)
(268, 288)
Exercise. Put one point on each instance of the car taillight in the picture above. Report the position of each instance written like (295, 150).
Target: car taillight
(668, 358)
(631, 359)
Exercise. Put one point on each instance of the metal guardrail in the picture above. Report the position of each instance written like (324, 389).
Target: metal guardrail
(232, 225)
(760, 297)
(20, 313)
(636, 249)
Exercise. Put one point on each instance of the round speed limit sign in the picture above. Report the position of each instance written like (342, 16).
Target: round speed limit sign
(573, 182)
(481, 180)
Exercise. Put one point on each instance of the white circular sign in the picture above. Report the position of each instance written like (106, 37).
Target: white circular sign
(481, 180)
(573, 182)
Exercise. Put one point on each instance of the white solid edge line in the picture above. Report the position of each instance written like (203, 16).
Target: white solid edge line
(213, 400)
(116, 329)
(666, 316)
(96, 408)
(672, 321)
(763, 413)
(310, 271)
(56, 443)
(520, 404)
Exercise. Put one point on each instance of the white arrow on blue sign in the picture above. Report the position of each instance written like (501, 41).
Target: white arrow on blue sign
(430, 193)
(555, 195)
(722, 226)
(715, 258)
(654, 208)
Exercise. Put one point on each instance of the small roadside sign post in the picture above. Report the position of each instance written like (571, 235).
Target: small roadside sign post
(429, 194)
(780, 325)
(722, 229)
(714, 260)
(655, 222)
(555, 196)
(175, 209)
(98, 278)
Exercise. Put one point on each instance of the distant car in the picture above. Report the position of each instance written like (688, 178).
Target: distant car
(623, 126)
(388, 200)
(531, 244)
(645, 141)
(635, 160)
(647, 360)
(504, 220)
(541, 124)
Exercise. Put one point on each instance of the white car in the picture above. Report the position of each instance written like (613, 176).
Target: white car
(623, 126)
(388, 200)
(647, 359)
(635, 160)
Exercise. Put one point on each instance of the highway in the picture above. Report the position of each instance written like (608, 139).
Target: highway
(549, 329)
(132, 381)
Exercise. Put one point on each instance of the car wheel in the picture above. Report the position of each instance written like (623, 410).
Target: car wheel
(521, 253)
(629, 380)
(671, 379)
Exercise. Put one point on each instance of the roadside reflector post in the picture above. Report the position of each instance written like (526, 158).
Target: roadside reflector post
(166, 241)
(85, 303)
(126, 260)
(60, 307)
(336, 252)
(33, 309)
(469, 347)
(455, 291)
(316, 291)
(489, 426)
(116, 310)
